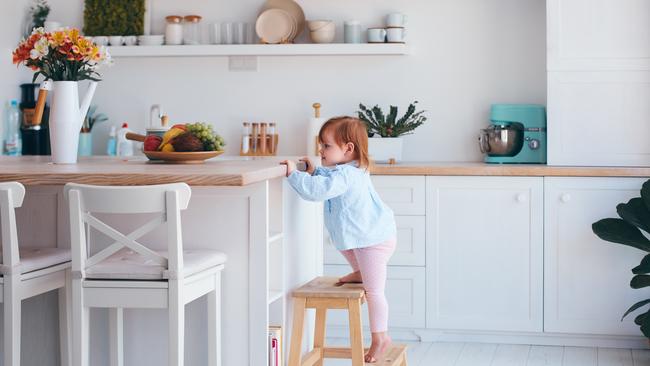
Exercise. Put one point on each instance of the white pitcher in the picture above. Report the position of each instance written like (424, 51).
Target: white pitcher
(66, 118)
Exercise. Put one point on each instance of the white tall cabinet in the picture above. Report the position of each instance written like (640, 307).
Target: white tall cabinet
(484, 253)
(586, 279)
(598, 62)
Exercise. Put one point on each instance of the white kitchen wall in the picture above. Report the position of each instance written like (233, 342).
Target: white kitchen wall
(465, 55)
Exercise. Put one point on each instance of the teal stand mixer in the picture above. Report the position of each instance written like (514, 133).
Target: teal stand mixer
(516, 135)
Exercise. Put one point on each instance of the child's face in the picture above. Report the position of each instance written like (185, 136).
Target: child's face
(331, 153)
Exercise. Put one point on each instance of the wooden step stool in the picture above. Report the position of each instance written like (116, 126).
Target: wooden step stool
(321, 294)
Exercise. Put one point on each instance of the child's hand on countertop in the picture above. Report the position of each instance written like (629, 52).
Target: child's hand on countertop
(291, 166)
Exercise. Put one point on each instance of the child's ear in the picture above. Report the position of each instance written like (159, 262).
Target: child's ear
(349, 147)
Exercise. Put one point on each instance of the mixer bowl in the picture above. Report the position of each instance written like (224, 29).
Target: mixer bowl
(502, 140)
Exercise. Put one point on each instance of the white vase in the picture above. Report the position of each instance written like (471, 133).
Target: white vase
(383, 149)
(66, 118)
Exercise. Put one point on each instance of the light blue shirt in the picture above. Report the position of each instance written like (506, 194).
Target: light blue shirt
(355, 216)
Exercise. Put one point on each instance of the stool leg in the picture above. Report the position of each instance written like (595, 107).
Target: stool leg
(12, 311)
(404, 360)
(319, 333)
(296, 330)
(356, 335)
(116, 336)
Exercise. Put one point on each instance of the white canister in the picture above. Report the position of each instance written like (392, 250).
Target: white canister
(174, 30)
(352, 31)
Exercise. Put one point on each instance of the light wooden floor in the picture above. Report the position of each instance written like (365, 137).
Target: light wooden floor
(484, 354)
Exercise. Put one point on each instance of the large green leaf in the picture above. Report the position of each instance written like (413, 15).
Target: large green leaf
(645, 326)
(621, 232)
(635, 306)
(644, 267)
(640, 281)
(636, 213)
(645, 194)
(639, 318)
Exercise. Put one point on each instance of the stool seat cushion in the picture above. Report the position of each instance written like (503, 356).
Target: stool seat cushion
(34, 259)
(127, 264)
(329, 287)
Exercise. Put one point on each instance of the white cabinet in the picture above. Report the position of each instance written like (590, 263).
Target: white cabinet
(484, 253)
(598, 82)
(587, 279)
(403, 194)
(404, 293)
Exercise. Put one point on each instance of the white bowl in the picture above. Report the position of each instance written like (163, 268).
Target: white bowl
(152, 40)
(321, 36)
(316, 25)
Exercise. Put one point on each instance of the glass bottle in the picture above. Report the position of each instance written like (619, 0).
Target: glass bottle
(272, 137)
(191, 29)
(174, 30)
(245, 138)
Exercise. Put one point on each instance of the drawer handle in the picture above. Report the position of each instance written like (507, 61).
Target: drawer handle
(521, 198)
(565, 197)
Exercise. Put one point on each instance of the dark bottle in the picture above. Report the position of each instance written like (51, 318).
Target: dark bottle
(36, 137)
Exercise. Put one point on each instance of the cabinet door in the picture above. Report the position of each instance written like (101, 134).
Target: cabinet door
(586, 279)
(404, 194)
(410, 244)
(484, 253)
(404, 293)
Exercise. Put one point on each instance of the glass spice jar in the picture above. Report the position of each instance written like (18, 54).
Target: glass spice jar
(191, 29)
(174, 30)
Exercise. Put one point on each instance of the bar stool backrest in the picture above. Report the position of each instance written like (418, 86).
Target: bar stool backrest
(11, 197)
(166, 199)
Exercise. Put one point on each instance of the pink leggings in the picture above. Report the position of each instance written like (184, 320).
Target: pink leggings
(372, 261)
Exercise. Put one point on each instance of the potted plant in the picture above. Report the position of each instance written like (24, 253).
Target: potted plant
(627, 230)
(385, 130)
(85, 137)
(64, 57)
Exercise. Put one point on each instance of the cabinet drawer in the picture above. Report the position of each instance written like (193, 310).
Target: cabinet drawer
(404, 292)
(410, 249)
(403, 194)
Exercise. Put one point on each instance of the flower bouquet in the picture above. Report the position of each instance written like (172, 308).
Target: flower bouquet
(63, 57)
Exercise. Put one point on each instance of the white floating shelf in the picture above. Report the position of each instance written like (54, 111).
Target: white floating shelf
(308, 49)
(274, 295)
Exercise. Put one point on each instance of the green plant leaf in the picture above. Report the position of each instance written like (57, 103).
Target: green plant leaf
(634, 307)
(645, 326)
(390, 120)
(644, 267)
(640, 281)
(636, 213)
(621, 232)
(645, 194)
(638, 320)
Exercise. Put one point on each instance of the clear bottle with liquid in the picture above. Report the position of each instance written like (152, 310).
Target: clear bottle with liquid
(246, 138)
(124, 146)
(12, 138)
(111, 144)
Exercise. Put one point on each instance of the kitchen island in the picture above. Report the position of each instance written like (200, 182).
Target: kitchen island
(240, 206)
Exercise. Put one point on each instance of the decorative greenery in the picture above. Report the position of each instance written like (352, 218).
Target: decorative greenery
(635, 217)
(388, 125)
(92, 118)
(113, 18)
(40, 10)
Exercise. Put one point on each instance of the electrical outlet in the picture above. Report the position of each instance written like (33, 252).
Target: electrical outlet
(242, 63)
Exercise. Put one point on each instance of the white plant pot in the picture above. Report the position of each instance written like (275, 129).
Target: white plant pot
(382, 149)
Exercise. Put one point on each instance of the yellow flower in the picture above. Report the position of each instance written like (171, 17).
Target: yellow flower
(58, 38)
(73, 34)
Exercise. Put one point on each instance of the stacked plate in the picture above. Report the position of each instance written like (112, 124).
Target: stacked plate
(280, 21)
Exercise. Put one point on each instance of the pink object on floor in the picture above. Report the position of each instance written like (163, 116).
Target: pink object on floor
(372, 262)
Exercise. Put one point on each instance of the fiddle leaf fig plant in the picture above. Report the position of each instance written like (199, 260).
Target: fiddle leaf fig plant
(389, 125)
(629, 230)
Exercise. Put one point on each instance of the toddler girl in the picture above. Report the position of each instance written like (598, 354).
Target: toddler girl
(360, 225)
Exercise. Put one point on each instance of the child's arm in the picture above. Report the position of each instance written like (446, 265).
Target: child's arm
(318, 187)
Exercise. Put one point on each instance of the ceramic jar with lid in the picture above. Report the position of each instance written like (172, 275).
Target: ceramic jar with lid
(174, 30)
(191, 29)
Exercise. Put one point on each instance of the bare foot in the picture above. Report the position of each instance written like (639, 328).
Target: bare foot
(353, 277)
(380, 343)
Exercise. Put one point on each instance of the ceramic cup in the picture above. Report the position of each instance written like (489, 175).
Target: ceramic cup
(395, 20)
(352, 31)
(100, 40)
(115, 40)
(395, 35)
(130, 40)
(376, 35)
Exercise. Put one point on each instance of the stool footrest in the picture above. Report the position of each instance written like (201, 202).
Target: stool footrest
(312, 357)
(394, 356)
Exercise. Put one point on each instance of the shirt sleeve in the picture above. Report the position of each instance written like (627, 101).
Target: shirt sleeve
(318, 187)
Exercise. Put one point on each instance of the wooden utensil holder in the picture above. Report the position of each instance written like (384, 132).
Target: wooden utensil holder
(271, 141)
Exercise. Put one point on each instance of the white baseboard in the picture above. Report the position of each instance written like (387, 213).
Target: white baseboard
(543, 339)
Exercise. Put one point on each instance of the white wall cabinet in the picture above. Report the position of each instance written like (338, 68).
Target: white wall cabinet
(598, 60)
(484, 253)
(587, 279)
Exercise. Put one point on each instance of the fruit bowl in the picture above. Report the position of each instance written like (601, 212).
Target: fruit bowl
(194, 157)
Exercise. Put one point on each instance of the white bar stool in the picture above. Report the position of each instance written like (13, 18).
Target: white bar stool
(127, 274)
(27, 272)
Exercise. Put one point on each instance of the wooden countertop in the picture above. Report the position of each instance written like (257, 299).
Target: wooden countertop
(104, 170)
(482, 169)
(237, 171)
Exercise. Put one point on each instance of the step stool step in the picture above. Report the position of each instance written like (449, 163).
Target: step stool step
(394, 356)
(328, 287)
